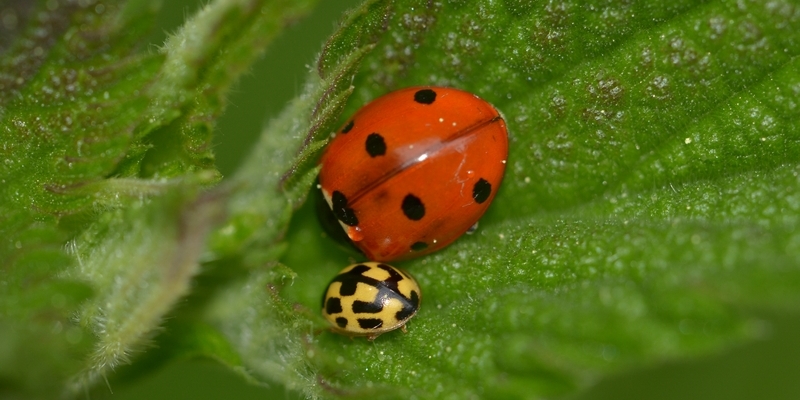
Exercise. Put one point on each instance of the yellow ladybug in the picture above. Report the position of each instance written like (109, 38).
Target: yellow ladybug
(369, 299)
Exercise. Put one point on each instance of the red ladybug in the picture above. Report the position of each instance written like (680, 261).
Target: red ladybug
(413, 170)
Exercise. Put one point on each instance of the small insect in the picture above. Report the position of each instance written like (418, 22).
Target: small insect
(412, 171)
(369, 299)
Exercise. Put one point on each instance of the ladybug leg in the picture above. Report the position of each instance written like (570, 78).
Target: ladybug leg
(373, 336)
(403, 328)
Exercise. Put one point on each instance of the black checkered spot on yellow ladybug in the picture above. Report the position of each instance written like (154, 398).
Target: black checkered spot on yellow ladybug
(369, 299)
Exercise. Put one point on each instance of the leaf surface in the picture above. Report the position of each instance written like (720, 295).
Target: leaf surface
(649, 205)
(106, 149)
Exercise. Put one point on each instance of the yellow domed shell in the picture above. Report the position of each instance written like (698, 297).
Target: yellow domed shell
(370, 298)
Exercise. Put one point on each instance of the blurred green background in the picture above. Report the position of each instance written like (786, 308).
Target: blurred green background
(767, 369)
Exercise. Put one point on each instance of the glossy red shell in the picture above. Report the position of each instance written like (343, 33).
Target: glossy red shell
(413, 170)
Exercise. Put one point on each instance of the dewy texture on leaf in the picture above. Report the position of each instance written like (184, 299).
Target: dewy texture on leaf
(93, 120)
(650, 201)
(65, 121)
(67, 118)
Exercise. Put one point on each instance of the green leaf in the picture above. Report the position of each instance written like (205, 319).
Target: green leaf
(67, 115)
(649, 208)
(142, 259)
(64, 123)
(166, 238)
(106, 146)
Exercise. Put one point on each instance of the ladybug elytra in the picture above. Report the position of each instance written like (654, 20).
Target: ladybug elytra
(413, 170)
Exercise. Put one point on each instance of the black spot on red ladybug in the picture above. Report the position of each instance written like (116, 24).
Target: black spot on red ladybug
(341, 321)
(370, 323)
(348, 127)
(425, 96)
(341, 211)
(413, 208)
(334, 306)
(481, 190)
(366, 307)
(375, 145)
(409, 309)
(419, 246)
(330, 224)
